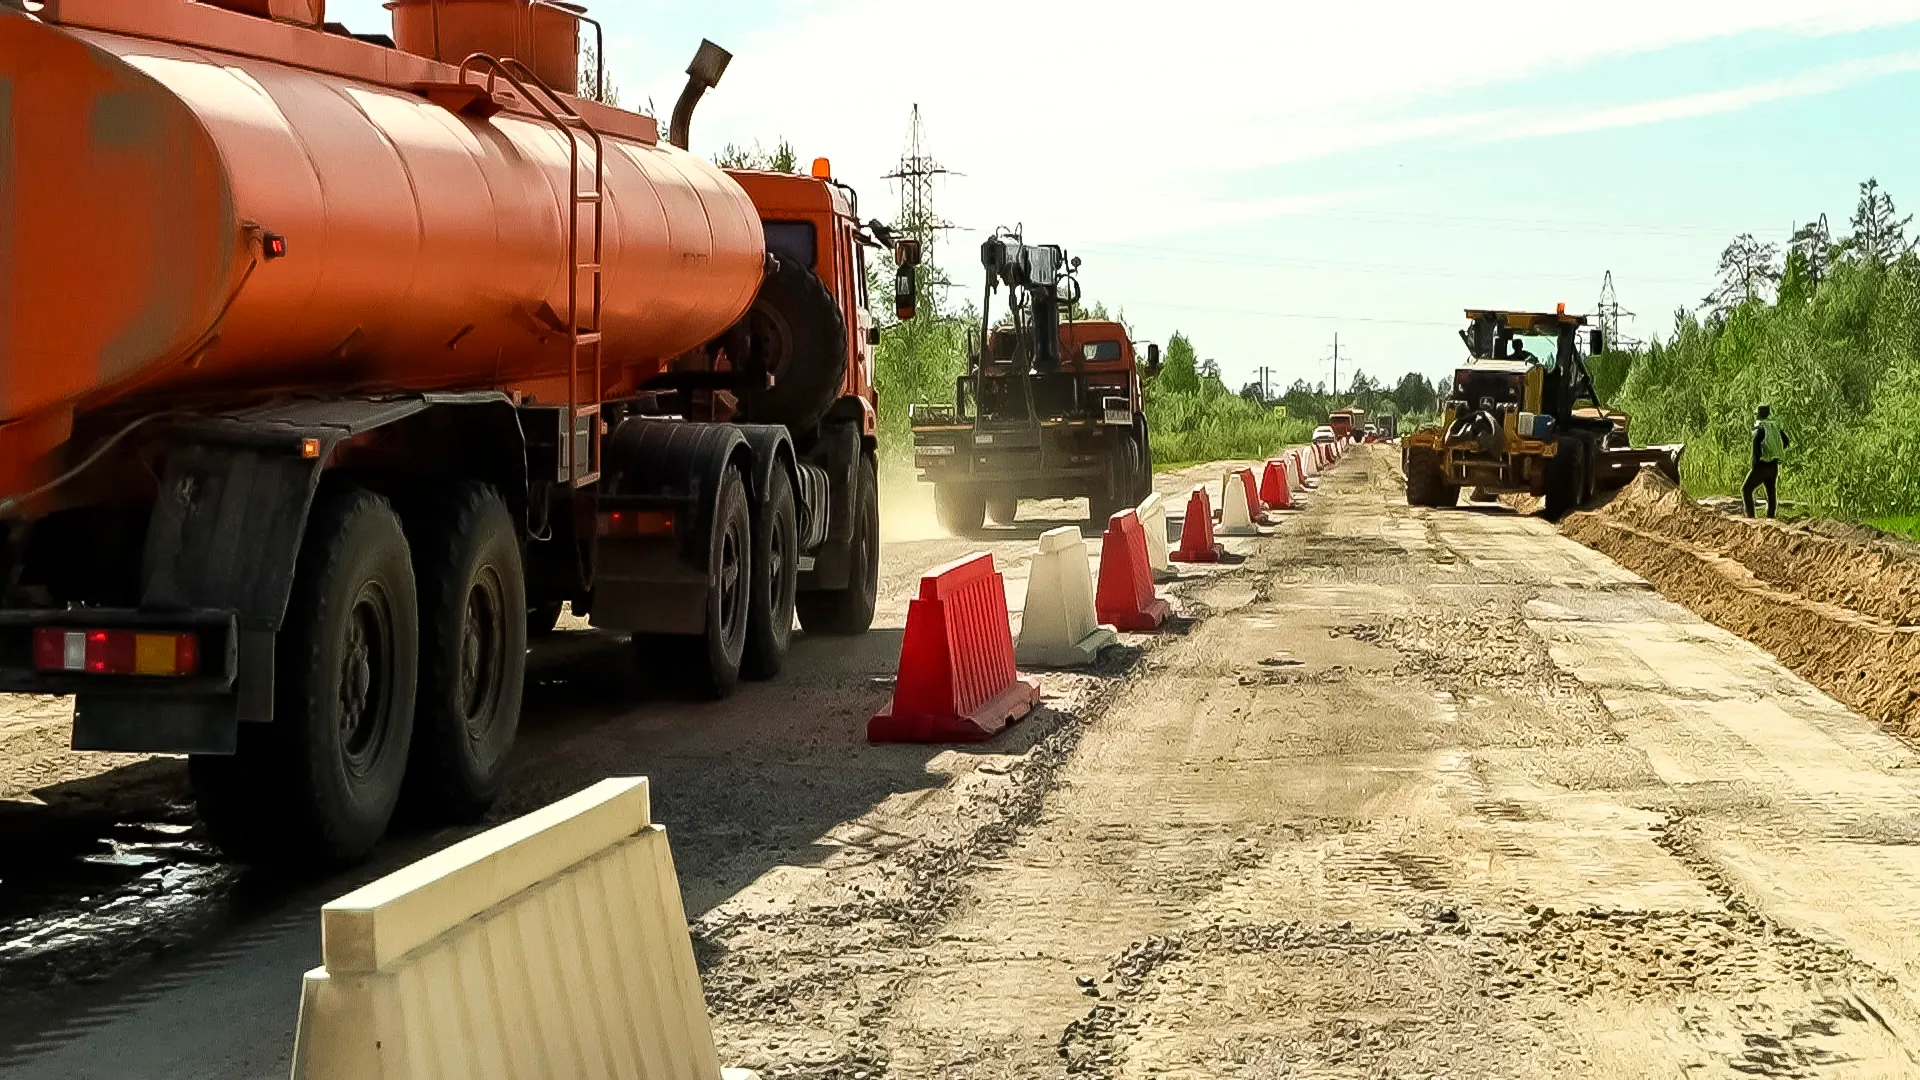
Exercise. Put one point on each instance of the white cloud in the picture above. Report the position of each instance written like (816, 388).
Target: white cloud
(1125, 120)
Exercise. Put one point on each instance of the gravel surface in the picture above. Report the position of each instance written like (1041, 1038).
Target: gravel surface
(1400, 793)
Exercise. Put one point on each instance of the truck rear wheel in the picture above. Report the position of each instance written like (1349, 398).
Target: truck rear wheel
(1426, 483)
(708, 663)
(850, 610)
(323, 777)
(776, 572)
(1002, 509)
(473, 649)
(960, 507)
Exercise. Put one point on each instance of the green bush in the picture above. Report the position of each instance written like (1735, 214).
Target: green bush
(1839, 364)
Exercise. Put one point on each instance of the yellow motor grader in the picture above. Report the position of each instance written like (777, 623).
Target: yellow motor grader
(1523, 418)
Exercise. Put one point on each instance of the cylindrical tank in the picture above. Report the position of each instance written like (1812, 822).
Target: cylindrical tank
(424, 249)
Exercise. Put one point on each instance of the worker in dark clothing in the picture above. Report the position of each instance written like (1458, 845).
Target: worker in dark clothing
(1518, 351)
(1769, 446)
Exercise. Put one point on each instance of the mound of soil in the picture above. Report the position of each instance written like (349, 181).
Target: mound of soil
(1840, 606)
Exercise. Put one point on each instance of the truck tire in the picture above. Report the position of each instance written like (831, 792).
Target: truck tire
(1002, 509)
(776, 572)
(850, 610)
(1122, 479)
(473, 649)
(707, 664)
(800, 339)
(1567, 478)
(960, 507)
(1426, 483)
(1145, 487)
(322, 779)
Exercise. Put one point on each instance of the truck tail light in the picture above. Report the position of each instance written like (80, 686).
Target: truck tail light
(633, 523)
(115, 652)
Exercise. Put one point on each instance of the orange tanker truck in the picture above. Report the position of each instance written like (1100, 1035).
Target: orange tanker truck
(331, 365)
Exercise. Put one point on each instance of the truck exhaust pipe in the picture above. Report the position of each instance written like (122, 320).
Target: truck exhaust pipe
(702, 75)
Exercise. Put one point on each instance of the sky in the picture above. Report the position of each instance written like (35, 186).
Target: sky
(1263, 177)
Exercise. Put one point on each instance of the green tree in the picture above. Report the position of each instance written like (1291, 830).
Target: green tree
(1748, 269)
(1413, 395)
(596, 85)
(781, 159)
(1179, 370)
(1879, 233)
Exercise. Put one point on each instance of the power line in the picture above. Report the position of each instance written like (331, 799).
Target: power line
(915, 174)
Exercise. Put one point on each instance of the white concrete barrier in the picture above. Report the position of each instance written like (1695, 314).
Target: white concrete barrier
(1153, 519)
(1236, 514)
(1058, 627)
(553, 947)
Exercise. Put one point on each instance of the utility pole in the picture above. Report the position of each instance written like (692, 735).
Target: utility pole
(1610, 315)
(1336, 364)
(915, 174)
(1266, 384)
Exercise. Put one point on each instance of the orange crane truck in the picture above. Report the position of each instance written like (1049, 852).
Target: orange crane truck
(1050, 407)
(331, 365)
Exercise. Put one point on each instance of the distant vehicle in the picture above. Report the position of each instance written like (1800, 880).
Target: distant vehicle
(1345, 422)
(1323, 433)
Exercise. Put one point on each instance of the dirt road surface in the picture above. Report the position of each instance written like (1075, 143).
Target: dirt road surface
(1405, 793)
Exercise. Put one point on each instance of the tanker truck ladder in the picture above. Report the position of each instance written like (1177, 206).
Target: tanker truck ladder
(583, 258)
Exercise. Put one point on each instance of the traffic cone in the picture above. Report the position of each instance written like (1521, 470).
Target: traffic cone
(956, 681)
(1196, 532)
(1256, 506)
(1058, 628)
(1274, 490)
(1153, 522)
(1236, 516)
(1126, 596)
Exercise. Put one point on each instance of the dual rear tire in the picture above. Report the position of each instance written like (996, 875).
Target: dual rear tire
(398, 670)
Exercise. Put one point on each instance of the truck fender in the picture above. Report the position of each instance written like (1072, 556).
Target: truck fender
(659, 584)
(232, 505)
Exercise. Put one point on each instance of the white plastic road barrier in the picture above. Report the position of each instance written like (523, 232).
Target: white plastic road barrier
(1058, 628)
(1153, 519)
(1310, 462)
(1236, 517)
(553, 947)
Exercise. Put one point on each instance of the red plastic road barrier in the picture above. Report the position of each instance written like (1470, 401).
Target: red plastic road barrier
(956, 681)
(1196, 533)
(1273, 485)
(1126, 598)
(1256, 506)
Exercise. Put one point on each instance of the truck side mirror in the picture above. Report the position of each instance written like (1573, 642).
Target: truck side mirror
(1153, 359)
(905, 293)
(1596, 342)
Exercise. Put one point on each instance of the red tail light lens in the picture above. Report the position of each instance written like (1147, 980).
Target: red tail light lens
(115, 652)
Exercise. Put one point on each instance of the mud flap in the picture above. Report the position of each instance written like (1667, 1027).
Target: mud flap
(659, 586)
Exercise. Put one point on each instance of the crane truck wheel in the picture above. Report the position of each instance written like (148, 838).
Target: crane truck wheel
(850, 610)
(1122, 479)
(800, 339)
(473, 647)
(960, 507)
(322, 779)
(1002, 509)
(1426, 483)
(707, 664)
(776, 572)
